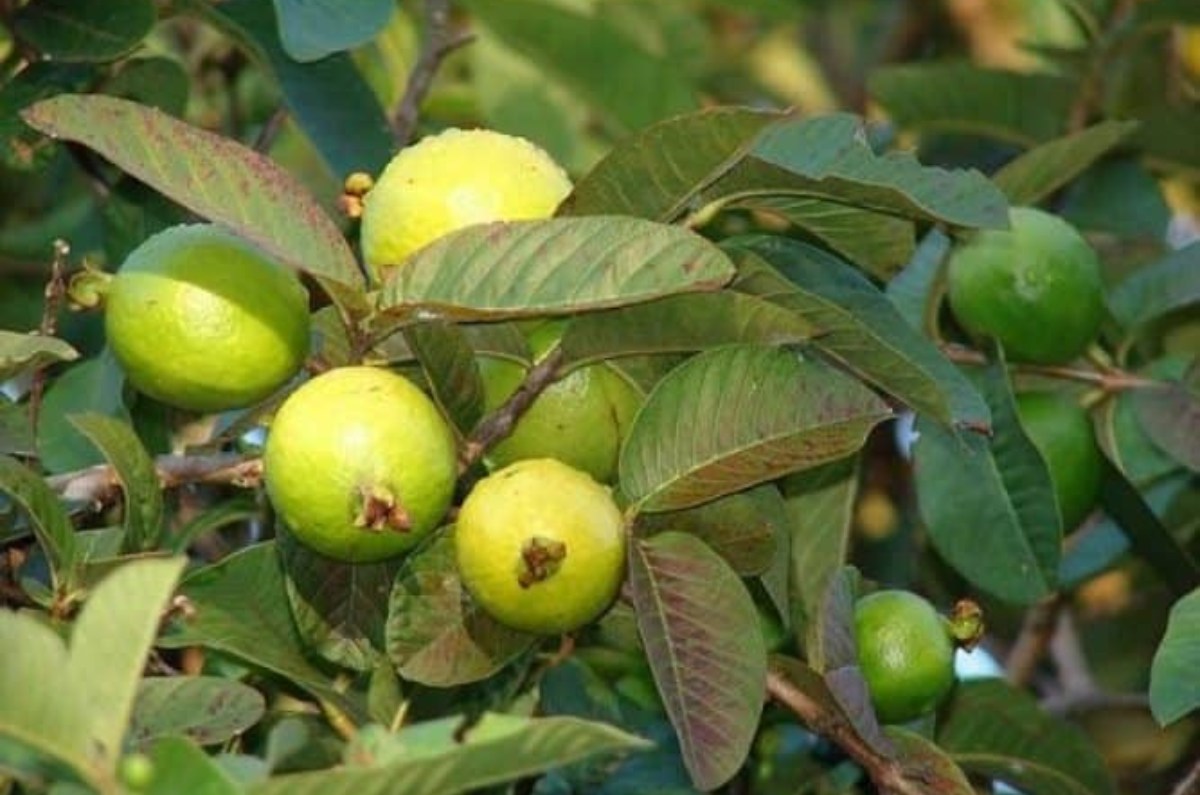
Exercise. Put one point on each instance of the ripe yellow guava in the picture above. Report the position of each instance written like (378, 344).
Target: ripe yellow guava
(201, 319)
(541, 546)
(451, 180)
(360, 464)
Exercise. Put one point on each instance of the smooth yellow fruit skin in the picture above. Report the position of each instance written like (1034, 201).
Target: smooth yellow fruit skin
(547, 500)
(1062, 432)
(200, 319)
(451, 180)
(905, 652)
(1035, 287)
(354, 431)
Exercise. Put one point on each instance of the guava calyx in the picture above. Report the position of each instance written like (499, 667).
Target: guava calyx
(541, 558)
(382, 510)
(966, 624)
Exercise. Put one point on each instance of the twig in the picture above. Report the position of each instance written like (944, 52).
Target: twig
(56, 290)
(97, 484)
(270, 130)
(1109, 381)
(1034, 639)
(888, 775)
(1189, 784)
(500, 422)
(438, 42)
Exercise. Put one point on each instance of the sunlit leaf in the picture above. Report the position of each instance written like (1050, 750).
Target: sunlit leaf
(1174, 686)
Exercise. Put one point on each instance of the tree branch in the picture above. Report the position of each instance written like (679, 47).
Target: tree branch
(97, 484)
(1034, 640)
(1109, 381)
(438, 42)
(56, 290)
(1189, 784)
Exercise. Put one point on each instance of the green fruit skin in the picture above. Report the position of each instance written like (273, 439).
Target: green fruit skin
(905, 652)
(1035, 287)
(208, 368)
(1061, 431)
(580, 420)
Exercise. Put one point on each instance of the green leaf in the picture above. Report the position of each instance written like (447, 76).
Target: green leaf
(448, 362)
(25, 352)
(21, 148)
(214, 177)
(91, 386)
(590, 57)
(914, 290)
(1154, 290)
(1164, 13)
(181, 766)
(110, 642)
(680, 324)
(327, 98)
(1121, 197)
(220, 515)
(743, 528)
(98, 30)
(240, 607)
(522, 268)
(159, 82)
(135, 470)
(698, 624)
(660, 171)
(313, 29)
(208, 710)
(926, 765)
(49, 519)
(48, 720)
(1041, 171)
(993, 729)
(16, 437)
(877, 242)
(435, 634)
(1174, 687)
(1150, 539)
(1022, 108)
(737, 416)
(1010, 546)
(498, 748)
(861, 723)
(820, 505)
(339, 608)
(1169, 138)
(857, 326)
(829, 157)
(1170, 415)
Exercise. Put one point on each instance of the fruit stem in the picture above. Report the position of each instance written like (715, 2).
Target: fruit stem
(540, 559)
(54, 292)
(1113, 380)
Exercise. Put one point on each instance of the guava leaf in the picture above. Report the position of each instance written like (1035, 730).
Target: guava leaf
(157, 81)
(313, 29)
(1025, 109)
(339, 608)
(736, 416)
(110, 642)
(681, 324)
(240, 607)
(98, 30)
(327, 97)
(926, 765)
(436, 759)
(222, 514)
(594, 60)
(1169, 138)
(213, 176)
(699, 626)
(92, 386)
(448, 362)
(556, 266)
(24, 352)
(659, 172)
(828, 157)
(206, 709)
(1150, 539)
(857, 325)
(436, 634)
(46, 720)
(993, 729)
(181, 766)
(24, 149)
(1165, 13)
(914, 290)
(1170, 415)
(1119, 196)
(820, 507)
(1044, 169)
(877, 242)
(1174, 687)
(742, 527)
(1010, 548)
(143, 520)
(47, 517)
(1154, 290)
(16, 437)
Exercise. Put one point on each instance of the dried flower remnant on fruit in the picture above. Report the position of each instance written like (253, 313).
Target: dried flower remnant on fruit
(381, 510)
(540, 560)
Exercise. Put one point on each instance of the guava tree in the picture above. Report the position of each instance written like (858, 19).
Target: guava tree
(677, 434)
